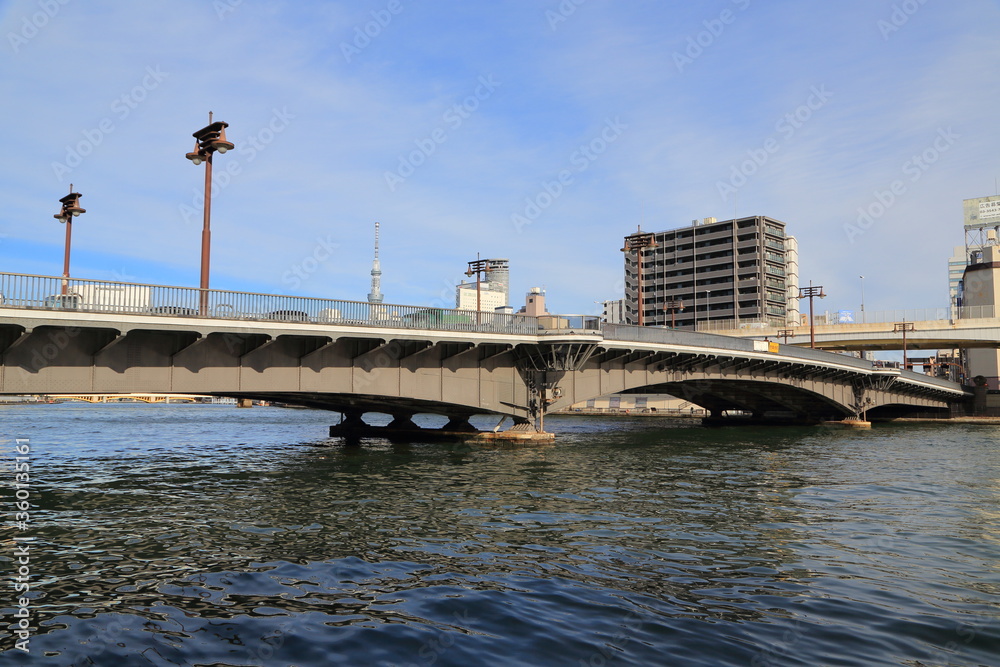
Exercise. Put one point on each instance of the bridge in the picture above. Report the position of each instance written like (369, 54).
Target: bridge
(87, 337)
(932, 329)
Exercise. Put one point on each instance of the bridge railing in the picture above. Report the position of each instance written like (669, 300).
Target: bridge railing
(55, 293)
(570, 322)
(920, 315)
(952, 313)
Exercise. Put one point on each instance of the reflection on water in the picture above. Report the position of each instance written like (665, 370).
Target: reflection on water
(211, 535)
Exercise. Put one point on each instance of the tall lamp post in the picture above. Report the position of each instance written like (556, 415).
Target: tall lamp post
(639, 242)
(673, 306)
(810, 292)
(903, 327)
(479, 267)
(862, 299)
(70, 209)
(708, 315)
(207, 140)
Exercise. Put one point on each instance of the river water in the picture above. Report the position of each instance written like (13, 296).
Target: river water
(211, 535)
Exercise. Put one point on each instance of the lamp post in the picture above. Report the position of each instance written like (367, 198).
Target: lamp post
(207, 140)
(673, 306)
(70, 209)
(903, 327)
(639, 242)
(810, 292)
(862, 299)
(708, 308)
(479, 267)
(785, 333)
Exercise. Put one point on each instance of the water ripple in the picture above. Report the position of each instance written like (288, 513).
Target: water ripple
(196, 535)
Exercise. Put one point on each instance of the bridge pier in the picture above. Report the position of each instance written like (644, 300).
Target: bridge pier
(402, 421)
(402, 428)
(459, 424)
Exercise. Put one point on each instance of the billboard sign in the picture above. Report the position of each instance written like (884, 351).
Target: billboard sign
(982, 212)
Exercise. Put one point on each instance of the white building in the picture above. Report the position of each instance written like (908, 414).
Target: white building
(489, 299)
(614, 311)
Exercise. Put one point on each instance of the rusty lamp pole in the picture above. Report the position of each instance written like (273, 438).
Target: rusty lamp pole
(639, 242)
(673, 306)
(479, 267)
(70, 209)
(811, 292)
(903, 327)
(207, 140)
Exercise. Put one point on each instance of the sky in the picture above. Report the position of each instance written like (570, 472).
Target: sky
(542, 131)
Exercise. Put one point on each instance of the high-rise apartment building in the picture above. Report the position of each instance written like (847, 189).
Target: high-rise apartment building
(711, 274)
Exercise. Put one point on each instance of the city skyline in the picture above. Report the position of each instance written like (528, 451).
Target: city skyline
(543, 134)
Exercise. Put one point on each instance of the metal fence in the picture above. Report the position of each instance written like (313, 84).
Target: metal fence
(53, 293)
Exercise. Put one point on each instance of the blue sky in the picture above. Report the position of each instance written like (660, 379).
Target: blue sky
(538, 131)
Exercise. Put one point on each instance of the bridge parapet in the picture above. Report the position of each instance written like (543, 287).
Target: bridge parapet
(93, 296)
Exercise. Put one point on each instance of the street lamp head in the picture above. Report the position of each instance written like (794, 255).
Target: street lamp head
(209, 139)
(70, 207)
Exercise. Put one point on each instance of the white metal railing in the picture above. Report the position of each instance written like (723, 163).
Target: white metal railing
(925, 314)
(573, 322)
(53, 293)
(833, 318)
(744, 323)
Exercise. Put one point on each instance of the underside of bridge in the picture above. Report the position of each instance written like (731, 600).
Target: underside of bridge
(354, 406)
(761, 400)
(763, 387)
(776, 403)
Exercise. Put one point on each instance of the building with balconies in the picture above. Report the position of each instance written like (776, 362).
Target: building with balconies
(711, 274)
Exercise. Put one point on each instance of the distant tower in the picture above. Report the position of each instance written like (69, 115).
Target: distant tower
(375, 296)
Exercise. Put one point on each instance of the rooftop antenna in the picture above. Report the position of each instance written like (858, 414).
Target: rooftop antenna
(375, 296)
